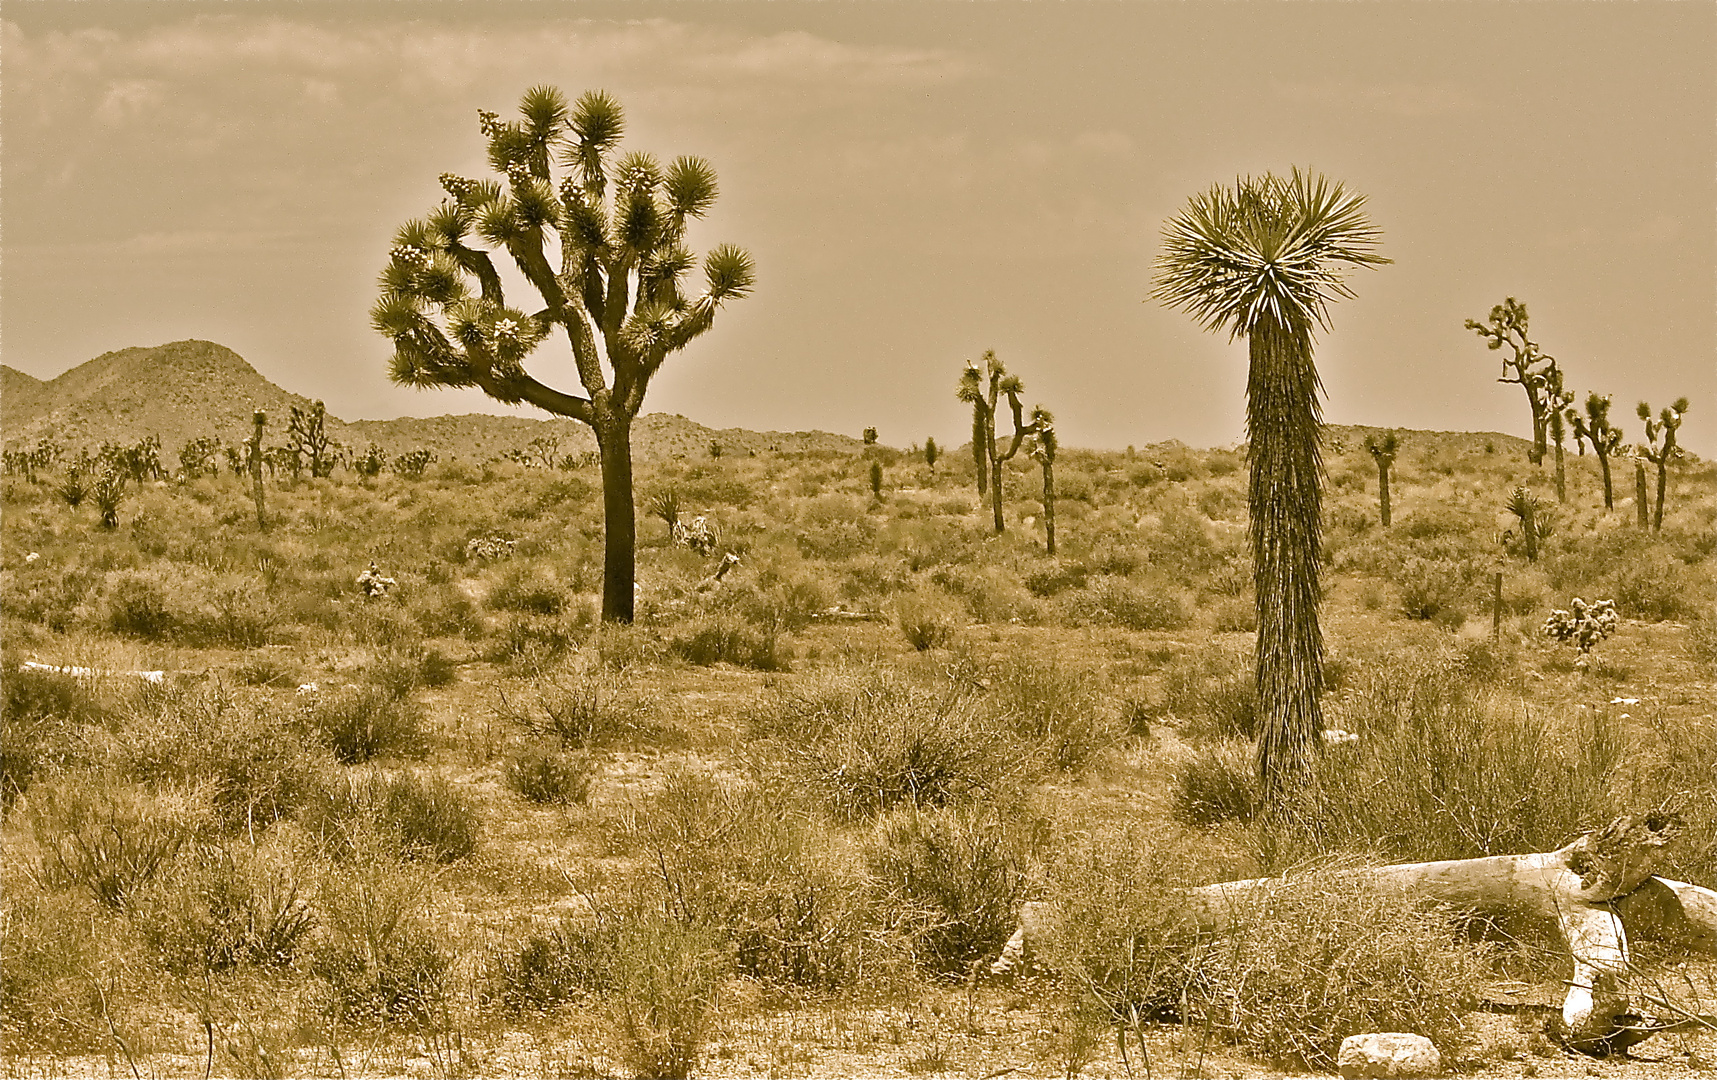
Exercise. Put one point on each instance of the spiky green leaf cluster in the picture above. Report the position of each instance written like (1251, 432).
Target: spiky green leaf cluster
(1268, 250)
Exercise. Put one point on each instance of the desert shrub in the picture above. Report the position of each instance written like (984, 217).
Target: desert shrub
(1216, 783)
(41, 711)
(534, 640)
(548, 775)
(527, 586)
(1214, 691)
(955, 876)
(1655, 586)
(927, 618)
(401, 669)
(744, 859)
(50, 944)
(728, 639)
(359, 723)
(1048, 577)
(1056, 707)
(224, 908)
(1301, 964)
(1108, 600)
(107, 838)
(1434, 588)
(139, 603)
(570, 962)
(778, 598)
(421, 818)
(255, 765)
(443, 611)
(665, 979)
(992, 594)
(260, 669)
(1321, 956)
(379, 962)
(582, 708)
(1444, 769)
(863, 744)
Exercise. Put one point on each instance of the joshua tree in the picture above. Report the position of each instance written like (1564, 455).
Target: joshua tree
(931, 453)
(1263, 260)
(870, 436)
(984, 401)
(1659, 447)
(876, 479)
(1383, 452)
(1528, 365)
(1595, 428)
(1042, 450)
(258, 419)
(199, 457)
(307, 439)
(1557, 399)
(618, 224)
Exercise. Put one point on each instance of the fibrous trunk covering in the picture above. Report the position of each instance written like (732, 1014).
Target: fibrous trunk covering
(619, 525)
(1283, 427)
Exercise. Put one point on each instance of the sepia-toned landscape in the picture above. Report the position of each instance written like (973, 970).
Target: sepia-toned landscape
(577, 737)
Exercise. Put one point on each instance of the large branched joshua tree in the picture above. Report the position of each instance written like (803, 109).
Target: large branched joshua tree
(1263, 259)
(1527, 365)
(1660, 448)
(987, 455)
(604, 249)
(1605, 438)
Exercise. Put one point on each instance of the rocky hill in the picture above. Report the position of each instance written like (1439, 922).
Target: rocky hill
(187, 389)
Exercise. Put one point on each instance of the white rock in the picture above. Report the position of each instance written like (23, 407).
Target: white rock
(1388, 1053)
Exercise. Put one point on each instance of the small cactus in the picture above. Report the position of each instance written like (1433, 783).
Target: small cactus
(1583, 625)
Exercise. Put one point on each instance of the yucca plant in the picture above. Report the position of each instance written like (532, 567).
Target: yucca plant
(1263, 259)
(618, 225)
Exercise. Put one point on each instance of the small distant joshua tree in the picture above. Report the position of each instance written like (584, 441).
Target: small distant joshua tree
(1583, 625)
(200, 457)
(870, 436)
(259, 420)
(1383, 452)
(931, 453)
(1660, 449)
(307, 440)
(1264, 260)
(1595, 428)
(1042, 451)
(371, 462)
(372, 584)
(1557, 399)
(876, 479)
(412, 463)
(984, 402)
(1528, 365)
(616, 227)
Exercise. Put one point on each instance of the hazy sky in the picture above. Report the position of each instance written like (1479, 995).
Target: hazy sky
(917, 182)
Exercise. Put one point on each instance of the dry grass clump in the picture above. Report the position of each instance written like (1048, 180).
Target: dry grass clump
(364, 722)
(106, 837)
(586, 707)
(864, 743)
(1216, 782)
(227, 907)
(547, 775)
(417, 816)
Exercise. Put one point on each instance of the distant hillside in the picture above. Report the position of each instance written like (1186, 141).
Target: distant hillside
(187, 389)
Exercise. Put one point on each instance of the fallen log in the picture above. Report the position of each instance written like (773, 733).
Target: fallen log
(1598, 891)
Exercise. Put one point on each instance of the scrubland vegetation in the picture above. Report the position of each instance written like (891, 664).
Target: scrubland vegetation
(783, 822)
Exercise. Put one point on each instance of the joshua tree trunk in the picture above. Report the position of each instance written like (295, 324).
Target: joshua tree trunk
(1662, 480)
(1049, 505)
(1529, 532)
(1284, 429)
(981, 438)
(1561, 475)
(1604, 467)
(1641, 500)
(996, 495)
(1383, 490)
(256, 490)
(619, 524)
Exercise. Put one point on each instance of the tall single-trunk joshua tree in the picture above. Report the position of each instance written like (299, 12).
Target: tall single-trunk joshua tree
(1042, 451)
(1264, 259)
(1383, 452)
(604, 249)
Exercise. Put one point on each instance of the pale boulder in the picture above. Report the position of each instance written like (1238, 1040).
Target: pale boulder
(1388, 1053)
